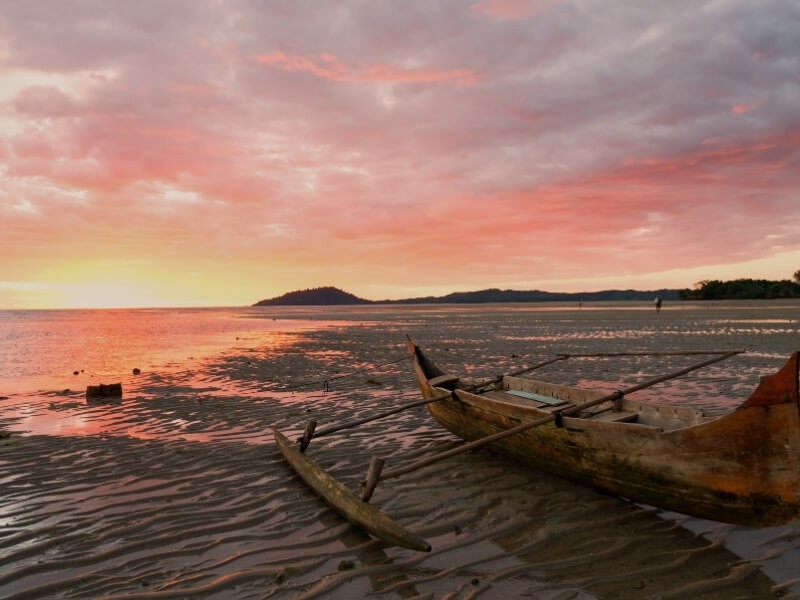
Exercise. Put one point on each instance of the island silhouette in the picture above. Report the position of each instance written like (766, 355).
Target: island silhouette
(333, 296)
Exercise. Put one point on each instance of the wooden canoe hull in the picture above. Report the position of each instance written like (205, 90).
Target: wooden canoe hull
(640, 464)
(345, 502)
(742, 468)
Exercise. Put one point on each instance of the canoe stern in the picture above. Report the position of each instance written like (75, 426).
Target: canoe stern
(778, 388)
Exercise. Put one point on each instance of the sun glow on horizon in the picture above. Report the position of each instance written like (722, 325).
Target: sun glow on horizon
(83, 287)
(118, 283)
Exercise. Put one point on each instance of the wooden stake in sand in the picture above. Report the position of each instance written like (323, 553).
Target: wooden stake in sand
(307, 435)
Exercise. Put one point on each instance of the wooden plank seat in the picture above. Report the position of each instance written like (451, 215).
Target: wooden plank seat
(514, 400)
(509, 397)
(549, 400)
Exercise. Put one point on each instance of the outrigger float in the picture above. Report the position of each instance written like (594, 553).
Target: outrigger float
(741, 468)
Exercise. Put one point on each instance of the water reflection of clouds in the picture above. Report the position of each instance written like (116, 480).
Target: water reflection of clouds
(41, 350)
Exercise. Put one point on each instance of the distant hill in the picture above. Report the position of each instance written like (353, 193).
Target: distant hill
(322, 296)
(331, 296)
(496, 295)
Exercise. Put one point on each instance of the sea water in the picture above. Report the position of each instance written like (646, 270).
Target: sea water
(53, 349)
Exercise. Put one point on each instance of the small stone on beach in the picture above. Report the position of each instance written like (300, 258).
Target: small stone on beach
(347, 565)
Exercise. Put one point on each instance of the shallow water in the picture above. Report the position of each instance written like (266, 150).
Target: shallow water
(176, 489)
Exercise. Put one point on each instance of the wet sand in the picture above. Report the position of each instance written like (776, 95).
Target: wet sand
(177, 490)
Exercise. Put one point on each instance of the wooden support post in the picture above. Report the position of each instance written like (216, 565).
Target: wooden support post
(373, 477)
(307, 435)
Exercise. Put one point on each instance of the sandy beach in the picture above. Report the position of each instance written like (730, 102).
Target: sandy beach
(177, 490)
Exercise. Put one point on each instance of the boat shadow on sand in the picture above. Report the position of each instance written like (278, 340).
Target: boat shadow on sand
(499, 530)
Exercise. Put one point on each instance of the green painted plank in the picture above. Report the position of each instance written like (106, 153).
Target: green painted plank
(538, 397)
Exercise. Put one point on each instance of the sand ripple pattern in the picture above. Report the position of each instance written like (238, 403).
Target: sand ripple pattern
(177, 490)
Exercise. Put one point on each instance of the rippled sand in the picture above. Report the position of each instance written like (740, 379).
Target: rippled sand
(177, 491)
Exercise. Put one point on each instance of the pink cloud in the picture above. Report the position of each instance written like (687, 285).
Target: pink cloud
(329, 67)
(512, 9)
(731, 161)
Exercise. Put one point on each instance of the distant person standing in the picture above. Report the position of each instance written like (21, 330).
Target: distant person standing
(657, 302)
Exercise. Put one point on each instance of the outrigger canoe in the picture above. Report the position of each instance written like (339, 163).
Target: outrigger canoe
(741, 468)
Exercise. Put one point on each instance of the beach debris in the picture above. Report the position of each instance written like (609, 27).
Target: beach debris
(137, 371)
(282, 575)
(103, 390)
(75, 372)
(347, 565)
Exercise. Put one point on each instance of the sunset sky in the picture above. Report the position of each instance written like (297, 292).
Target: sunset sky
(199, 152)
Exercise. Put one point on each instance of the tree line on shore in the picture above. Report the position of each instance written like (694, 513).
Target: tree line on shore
(743, 289)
